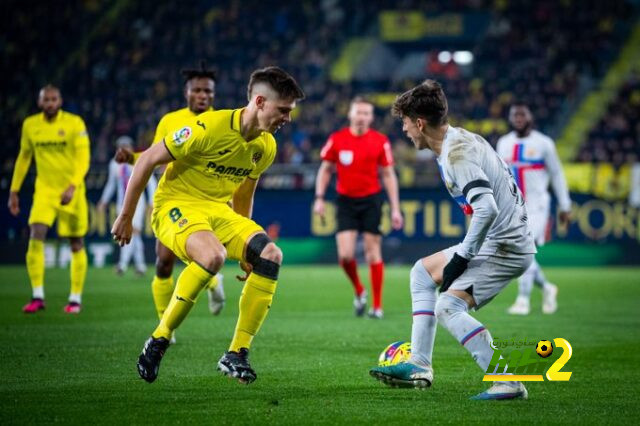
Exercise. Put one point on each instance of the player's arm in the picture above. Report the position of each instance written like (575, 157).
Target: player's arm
(156, 155)
(82, 160)
(322, 182)
(558, 182)
(390, 182)
(109, 188)
(243, 197)
(20, 170)
(477, 190)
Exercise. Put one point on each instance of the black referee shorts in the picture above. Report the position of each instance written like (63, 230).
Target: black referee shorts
(361, 214)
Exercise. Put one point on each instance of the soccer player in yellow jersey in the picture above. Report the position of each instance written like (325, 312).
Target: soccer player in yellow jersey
(59, 143)
(215, 158)
(199, 92)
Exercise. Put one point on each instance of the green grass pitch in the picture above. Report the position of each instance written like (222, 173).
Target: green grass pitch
(312, 355)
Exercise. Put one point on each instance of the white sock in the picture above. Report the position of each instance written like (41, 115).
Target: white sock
(423, 304)
(126, 252)
(38, 292)
(525, 283)
(138, 252)
(77, 298)
(539, 279)
(452, 313)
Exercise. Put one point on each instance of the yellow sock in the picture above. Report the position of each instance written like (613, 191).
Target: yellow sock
(78, 274)
(161, 289)
(255, 302)
(35, 266)
(190, 282)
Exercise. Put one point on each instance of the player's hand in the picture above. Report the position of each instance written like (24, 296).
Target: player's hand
(564, 218)
(247, 268)
(67, 195)
(124, 155)
(318, 207)
(122, 230)
(452, 271)
(14, 203)
(396, 219)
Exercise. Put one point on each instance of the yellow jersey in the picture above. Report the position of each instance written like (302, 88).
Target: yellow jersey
(61, 151)
(169, 121)
(212, 159)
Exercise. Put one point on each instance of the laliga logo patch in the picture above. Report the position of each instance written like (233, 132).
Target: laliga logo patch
(346, 157)
(182, 135)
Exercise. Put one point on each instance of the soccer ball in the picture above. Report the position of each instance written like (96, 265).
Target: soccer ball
(544, 348)
(395, 353)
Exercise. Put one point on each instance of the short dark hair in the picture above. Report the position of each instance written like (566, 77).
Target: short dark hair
(202, 72)
(427, 100)
(360, 99)
(283, 83)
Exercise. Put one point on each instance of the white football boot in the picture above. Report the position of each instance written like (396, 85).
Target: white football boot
(520, 307)
(503, 390)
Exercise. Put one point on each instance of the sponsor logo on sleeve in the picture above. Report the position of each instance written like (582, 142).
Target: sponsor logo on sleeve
(182, 135)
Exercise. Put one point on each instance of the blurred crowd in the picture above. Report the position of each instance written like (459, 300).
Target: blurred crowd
(118, 64)
(616, 138)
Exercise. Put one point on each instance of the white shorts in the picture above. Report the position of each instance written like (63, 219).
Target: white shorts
(487, 275)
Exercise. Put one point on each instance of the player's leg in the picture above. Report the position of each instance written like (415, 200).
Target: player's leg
(425, 277)
(346, 244)
(537, 220)
(73, 223)
(484, 278)
(369, 214)
(78, 273)
(549, 290)
(373, 255)
(255, 301)
(206, 255)
(346, 238)
(162, 283)
(137, 246)
(35, 267)
(138, 252)
(126, 253)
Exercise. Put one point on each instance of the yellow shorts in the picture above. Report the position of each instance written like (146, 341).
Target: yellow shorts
(73, 219)
(173, 222)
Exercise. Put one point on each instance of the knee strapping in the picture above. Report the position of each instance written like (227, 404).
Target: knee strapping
(261, 266)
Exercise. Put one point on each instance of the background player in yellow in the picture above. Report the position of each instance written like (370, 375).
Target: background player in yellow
(59, 143)
(215, 158)
(199, 91)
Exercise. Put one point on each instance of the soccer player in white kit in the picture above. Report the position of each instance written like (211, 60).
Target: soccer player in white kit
(117, 181)
(534, 164)
(498, 245)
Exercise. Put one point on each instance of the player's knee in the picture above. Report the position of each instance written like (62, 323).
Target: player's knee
(264, 256)
(420, 280)
(76, 244)
(345, 259)
(164, 267)
(273, 253)
(213, 260)
(448, 307)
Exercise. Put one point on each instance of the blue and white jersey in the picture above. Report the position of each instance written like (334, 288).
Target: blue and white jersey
(470, 168)
(534, 163)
